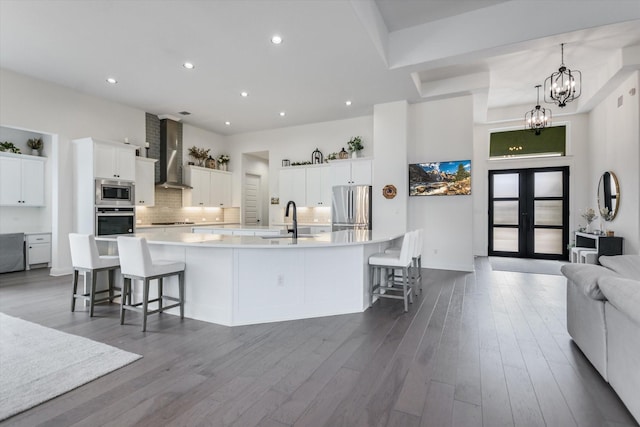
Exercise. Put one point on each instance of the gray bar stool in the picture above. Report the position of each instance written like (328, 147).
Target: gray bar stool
(385, 285)
(85, 258)
(136, 264)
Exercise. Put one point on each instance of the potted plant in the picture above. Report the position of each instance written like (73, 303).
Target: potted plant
(355, 145)
(9, 147)
(223, 159)
(36, 145)
(199, 155)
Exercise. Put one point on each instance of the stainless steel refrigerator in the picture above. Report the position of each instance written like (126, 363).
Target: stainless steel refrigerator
(351, 207)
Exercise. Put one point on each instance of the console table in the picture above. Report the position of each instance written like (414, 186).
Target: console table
(605, 245)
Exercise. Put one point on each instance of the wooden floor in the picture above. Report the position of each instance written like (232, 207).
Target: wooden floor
(476, 349)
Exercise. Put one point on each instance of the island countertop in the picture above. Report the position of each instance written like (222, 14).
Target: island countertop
(333, 239)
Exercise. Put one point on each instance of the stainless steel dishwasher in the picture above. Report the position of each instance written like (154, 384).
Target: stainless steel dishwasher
(11, 252)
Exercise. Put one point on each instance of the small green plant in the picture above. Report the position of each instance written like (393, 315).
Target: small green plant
(355, 144)
(332, 156)
(9, 147)
(35, 143)
(223, 158)
(200, 155)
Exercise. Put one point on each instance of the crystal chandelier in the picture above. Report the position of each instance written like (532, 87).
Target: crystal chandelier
(538, 118)
(563, 85)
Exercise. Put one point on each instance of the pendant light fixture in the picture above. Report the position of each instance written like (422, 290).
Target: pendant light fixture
(563, 85)
(538, 118)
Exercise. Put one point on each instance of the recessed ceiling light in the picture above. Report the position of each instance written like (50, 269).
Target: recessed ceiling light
(276, 39)
(111, 80)
(244, 94)
(347, 103)
(227, 123)
(282, 113)
(188, 66)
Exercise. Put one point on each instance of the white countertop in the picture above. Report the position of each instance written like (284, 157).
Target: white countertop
(333, 239)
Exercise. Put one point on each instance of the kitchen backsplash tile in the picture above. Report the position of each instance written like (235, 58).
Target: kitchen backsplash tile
(168, 208)
(322, 216)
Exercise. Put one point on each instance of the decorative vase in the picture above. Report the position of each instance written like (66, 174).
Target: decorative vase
(35, 152)
(223, 166)
(354, 154)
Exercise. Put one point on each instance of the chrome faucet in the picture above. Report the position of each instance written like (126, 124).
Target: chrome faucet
(295, 219)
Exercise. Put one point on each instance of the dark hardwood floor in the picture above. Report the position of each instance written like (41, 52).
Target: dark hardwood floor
(476, 349)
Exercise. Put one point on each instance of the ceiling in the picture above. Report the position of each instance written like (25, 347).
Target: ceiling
(365, 51)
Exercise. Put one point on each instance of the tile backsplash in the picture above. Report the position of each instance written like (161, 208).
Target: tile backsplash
(168, 208)
(321, 216)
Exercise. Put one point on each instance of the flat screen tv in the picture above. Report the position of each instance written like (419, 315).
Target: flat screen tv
(440, 178)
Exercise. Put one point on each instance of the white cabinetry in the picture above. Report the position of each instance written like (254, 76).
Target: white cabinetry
(38, 249)
(351, 172)
(145, 191)
(293, 186)
(114, 161)
(211, 188)
(318, 186)
(21, 180)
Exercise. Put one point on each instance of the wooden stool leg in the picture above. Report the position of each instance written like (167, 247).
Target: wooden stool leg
(126, 285)
(75, 290)
(181, 293)
(145, 304)
(91, 284)
(160, 285)
(111, 275)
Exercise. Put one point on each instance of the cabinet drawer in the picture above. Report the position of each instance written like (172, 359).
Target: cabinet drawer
(38, 238)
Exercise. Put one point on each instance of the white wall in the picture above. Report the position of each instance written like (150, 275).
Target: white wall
(295, 143)
(390, 123)
(614, 145)
(65, 114)
(443, 131)
(201, 138)
(580, 191)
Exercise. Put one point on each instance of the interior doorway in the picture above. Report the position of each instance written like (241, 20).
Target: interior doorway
(529, 213)
(252, 199)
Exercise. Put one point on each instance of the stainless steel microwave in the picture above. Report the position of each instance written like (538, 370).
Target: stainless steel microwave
(114, 193)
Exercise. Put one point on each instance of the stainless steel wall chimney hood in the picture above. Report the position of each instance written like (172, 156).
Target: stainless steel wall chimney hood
(170, 155)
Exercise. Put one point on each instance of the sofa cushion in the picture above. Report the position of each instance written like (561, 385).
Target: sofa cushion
(623, 294)
(586, 276)
(625, 265)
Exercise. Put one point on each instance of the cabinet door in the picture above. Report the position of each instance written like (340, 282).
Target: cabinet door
(125, 164)
(293, 186)
(220, 189)
(201, 183)
(104, 161)
(361, 172)
(32, 182)
(10, 188)
(145, 183)
(39, 253)
(341, 173)
(318, 186)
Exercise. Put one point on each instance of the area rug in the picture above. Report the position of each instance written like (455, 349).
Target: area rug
(39, 363)
(524, 265)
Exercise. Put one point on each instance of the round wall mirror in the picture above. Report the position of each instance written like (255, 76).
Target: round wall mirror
(608, 194)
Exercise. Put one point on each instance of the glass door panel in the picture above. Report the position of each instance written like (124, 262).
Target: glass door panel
(528, 212)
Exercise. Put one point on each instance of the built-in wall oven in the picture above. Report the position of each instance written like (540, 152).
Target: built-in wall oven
(115, 220)
(114, 193)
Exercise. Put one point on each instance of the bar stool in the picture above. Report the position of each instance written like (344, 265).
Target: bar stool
(402, 261)
(85, 258)
(136, 264)
(415, 273)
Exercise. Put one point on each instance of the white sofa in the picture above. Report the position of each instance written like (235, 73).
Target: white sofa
(603, 318)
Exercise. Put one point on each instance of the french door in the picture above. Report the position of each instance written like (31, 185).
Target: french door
(529, 213)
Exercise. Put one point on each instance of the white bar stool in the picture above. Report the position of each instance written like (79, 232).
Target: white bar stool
(85, 258)
(402, 261)
(136, 264)
(415, 273)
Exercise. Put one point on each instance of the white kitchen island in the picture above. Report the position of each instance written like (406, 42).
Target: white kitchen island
(242, 280)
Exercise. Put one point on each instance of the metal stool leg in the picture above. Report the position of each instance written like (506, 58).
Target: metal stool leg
(145, 304)
(160, 285)
(91, 279)
(126, 286)
(181, 292)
